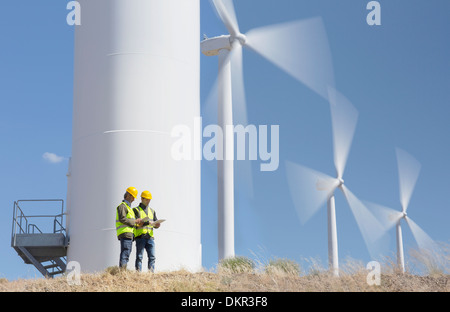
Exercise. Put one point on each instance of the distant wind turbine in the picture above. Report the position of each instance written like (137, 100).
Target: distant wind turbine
(300, 48)
(408, 173)
(311, 189)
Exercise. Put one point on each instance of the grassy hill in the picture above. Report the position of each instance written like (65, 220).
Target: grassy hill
(241, 275)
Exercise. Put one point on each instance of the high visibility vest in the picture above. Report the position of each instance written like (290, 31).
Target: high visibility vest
(147, 228)
(123, 228)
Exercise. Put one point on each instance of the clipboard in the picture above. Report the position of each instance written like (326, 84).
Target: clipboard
(153, 223)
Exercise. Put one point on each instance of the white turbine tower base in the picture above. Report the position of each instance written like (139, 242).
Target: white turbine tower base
(333, 258)
(400, 256)
(299, 48)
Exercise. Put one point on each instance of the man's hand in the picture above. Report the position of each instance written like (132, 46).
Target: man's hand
(138, 222)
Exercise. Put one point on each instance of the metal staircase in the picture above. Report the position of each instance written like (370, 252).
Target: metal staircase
(45, 249)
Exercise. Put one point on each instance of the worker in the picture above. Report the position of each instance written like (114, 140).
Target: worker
(125, 224)
(144, 234)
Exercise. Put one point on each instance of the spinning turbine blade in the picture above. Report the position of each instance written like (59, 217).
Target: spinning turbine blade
(388, 217)
(238, 87)
(300, 48)
(344, 117)
(243, 167)
(425, 242)
(238, 90)
(227, 14)
(309, 189)
(209, 106)
(408, 172)
(369, 226)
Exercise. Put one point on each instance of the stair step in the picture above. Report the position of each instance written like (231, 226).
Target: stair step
(58, 263)
(55, 273)
(51, 266)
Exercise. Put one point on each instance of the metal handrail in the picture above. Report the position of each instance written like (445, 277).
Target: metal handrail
(21, 223)
(33, 226)
(61, 227)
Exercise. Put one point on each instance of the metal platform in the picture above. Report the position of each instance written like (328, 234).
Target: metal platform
(46, 250)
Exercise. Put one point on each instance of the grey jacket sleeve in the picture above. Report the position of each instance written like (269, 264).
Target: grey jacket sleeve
(122, 210)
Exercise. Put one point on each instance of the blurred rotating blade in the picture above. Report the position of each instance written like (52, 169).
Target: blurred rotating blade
(344, 117)
(243, 166)
(227, 14)
(309, 189)
(408, 172)
(425, 242)
(209, 107)
(300, 48)
(371, 229)
(244, 178)
(238, 87)
(388, 217)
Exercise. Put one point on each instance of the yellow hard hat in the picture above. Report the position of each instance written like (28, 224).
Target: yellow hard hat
(146, 195)
(133, 191)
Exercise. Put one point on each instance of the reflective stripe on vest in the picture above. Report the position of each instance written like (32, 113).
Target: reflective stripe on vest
(120, 227)
(145, 229)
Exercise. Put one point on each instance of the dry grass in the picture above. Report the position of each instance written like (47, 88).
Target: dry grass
(276, 276)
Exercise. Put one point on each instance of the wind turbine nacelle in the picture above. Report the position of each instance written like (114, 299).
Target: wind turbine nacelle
(212, 46)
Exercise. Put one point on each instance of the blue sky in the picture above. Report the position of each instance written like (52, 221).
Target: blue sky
(397, 75)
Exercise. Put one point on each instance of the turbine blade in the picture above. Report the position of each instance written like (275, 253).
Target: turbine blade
(300, 48)
(244, 177)
(209, 107)
(388, 217)
(227, 14)
(408, 172)
(344, 117)
(243, 167)
(309, 189)
(425, 242)
(371, 230)
(238, 87)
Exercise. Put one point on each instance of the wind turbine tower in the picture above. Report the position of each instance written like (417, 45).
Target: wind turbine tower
(310, 189)
(300, 48)
(136, 76)
(408, 173)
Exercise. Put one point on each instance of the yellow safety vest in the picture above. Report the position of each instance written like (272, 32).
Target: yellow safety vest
(123, 228)
(147, 228)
